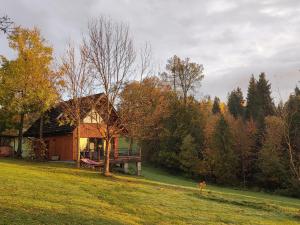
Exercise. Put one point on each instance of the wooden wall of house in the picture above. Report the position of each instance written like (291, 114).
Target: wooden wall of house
(60, 146)
(88, 130)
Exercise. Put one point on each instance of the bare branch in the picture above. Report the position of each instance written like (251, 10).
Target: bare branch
(111, 55)
(6, 24)
(78, 83)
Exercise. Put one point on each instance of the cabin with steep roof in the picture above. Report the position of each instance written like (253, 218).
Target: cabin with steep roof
(61, 138)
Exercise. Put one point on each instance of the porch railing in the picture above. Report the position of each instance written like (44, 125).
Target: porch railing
(125, 152)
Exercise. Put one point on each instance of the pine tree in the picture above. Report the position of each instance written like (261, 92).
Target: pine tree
(259, 101)
(188, 155)
(252, 99)
(235, 103)
(216, 106)
(226, 161)
(265, 101)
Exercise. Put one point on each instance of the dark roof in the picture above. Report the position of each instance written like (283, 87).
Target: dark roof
(51, 125)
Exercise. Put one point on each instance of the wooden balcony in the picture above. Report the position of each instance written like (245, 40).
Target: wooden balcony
(124, 155)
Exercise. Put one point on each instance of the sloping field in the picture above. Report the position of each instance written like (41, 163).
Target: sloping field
(56, 193)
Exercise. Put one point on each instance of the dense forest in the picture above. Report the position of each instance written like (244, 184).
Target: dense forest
(247, 141)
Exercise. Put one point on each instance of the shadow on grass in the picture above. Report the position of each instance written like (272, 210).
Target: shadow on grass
(43, 216)
(257, 205)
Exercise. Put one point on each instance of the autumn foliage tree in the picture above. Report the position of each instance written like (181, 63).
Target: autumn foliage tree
(142, 107)
(28, 84)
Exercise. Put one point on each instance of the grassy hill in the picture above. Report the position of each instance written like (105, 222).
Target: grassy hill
(56, 193)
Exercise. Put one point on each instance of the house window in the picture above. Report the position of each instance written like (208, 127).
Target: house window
(83, 144)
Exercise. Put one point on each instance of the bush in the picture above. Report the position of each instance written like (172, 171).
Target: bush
(293, 189)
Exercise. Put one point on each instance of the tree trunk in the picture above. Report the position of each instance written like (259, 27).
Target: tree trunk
(20, 137)
(244, 175)
(99, 152)
(174, 82)
(107, 153)
(130, 145)
(78, 145)
(41, 126)
(184, 97)
(106, 161)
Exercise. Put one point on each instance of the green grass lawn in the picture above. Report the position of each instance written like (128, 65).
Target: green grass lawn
(57, 193)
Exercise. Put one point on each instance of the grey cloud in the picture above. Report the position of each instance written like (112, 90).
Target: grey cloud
(231, 38)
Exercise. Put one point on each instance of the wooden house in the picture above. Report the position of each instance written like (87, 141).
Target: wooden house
(61, 138)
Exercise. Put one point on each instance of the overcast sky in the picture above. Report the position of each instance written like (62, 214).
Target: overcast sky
(232, 39)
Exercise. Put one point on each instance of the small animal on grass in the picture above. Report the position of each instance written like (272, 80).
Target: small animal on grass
(202, 185)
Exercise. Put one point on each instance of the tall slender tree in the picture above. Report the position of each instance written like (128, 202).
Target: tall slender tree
(111, 53)
(78, 83)
(252, 99)
(265, 101)
(291, 128)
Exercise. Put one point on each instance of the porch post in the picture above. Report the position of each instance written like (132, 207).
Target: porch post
(139, 168)
(126, 167)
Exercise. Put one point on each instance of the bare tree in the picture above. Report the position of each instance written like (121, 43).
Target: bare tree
(145, 61)
(78, 83)
(173, 67)
(286, 113)
(184, 75)
(5, 24)
(291, 150)
(112, 56)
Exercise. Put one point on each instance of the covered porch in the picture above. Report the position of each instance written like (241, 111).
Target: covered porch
(122, 153)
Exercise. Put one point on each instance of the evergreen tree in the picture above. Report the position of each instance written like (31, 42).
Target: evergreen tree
(259, 105)
(226, 161)
(265, 102)
(259, 101)
(216, 106)
(188, 155)
(183, 122)
(235, 103)
(272, 164)
(252, 99)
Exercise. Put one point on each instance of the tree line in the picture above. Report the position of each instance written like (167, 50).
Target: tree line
(247, 142)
